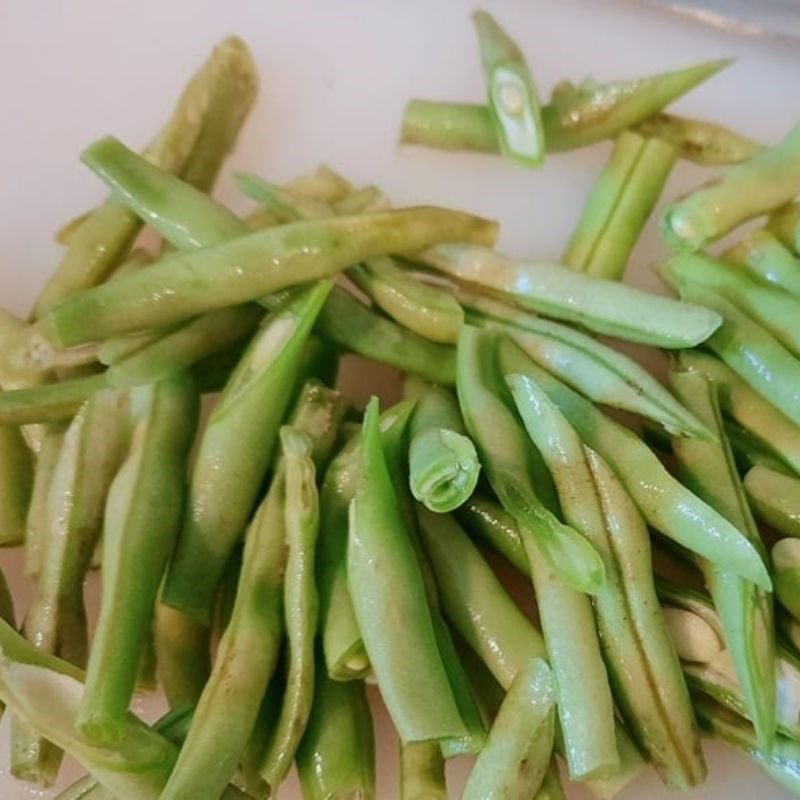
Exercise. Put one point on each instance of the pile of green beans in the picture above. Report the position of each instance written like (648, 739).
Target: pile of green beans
(263, 564)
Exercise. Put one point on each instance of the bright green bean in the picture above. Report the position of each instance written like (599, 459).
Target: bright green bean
(665, 503)
(762, 256)
(443, 463)
(336, 758)
(786, 566)
(575, 118)
(517, 756)
(745, 610)
(785, 224)
(512, 98)
(250, 410)
(388, 592)
(199, 134)
(699, 140)
(16, 484)
(775, 499)
(143, 515)
(487, 521)
(619, 206)
(606, 307)
(249, 267)
(765, 182)
(749, 409)
(752, 353)
(773, 309)
(513, 468)
(422, 772)
(428, 311)
(592, 368)
(642, 665)
(300, 603)
(50, 402)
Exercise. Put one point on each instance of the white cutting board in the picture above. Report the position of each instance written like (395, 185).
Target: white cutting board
(335, 78)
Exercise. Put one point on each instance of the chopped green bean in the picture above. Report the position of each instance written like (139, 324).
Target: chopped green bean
(490, 524)
(517, 756)
(619, 206)
(786, 565)
(285, 204)
(762, 256)
(665, 503)
(323, 184)
(513, 468)
(775, 499)
(50, 402)
(143, 515)
(422, 773)
(16, 484)
(367, 198)
(602, 306)
(765, 182)
(785, 224)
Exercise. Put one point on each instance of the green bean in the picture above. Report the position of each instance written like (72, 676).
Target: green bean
(517, 756)
(65, 232)
(250, 410)
(774, 499)
(762, 256)
(551, 788)
(143, 515)
(641, 661)
(367, 198)
(749, 409)
(248, 267)
(301, 604)
(248, 651)
(183, 655)
(773, 309)
(748, 451)
(323, 184)
(285, 204)
(199, 134)
(575, 118)
(16, 482)
(602, 306)
(443, 463)
(512, 98)
(422, 773)
(665, 503)
(204, 336)
(766, 181)
(428, 311)
(494, 527)
(745, 610)
(56, 621)
(514, 469)
(781, 763)
(388, 593)
(786, 565)
(784, 224)
(595, 370)
(753, 353)
(699, 140)
(336, 758)
(50, 402)
(619, 206)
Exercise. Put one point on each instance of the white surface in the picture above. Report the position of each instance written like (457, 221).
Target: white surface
(335, 78)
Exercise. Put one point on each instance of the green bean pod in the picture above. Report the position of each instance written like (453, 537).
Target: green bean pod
(201, 131)
(606, 307)
(765, 182)
(16, 484)
(249, 267)
(664, 502)
(745, 610)
(422, 772)
(756, 415)
(762, 256)
(516, 758)
(513, 468)
(336, 757)
(50, 402)
(227, 476)
(773, 309)
(592, 368)
(551, 788)
(367, 198)
(619, 205)
(512, 98)
(204, 336)
(322, 183)
(575, 118)
(642, 665)
(775, 499)
(443, 463)
(753, 353)
(143, 515)
(389, 598)
(428, 311)
(699, 140)
(490, 524)
(286, 204)
(785, 224)
(786, 565)
(301, 604)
